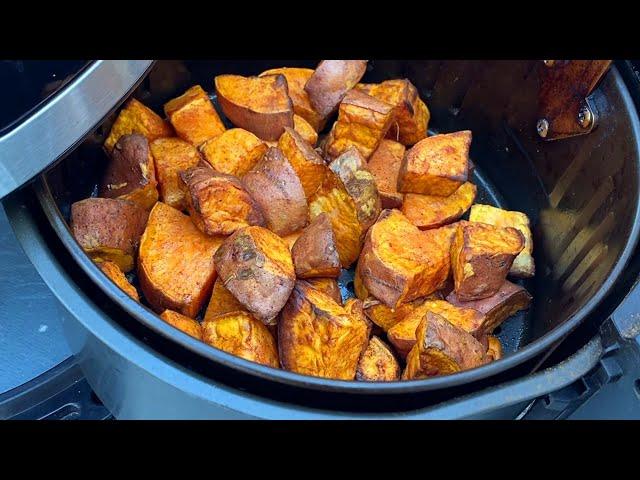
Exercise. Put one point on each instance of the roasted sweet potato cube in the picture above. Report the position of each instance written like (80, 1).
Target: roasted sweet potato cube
(109, 229)
(255, 265)
(183, 323)
(432, 211)
(481, 256)
(442, 349)
(235, 152)
(193, 116)
(305, 130)
(331, 81)
(494, 350)
(384, 164)
(329, 286)
(137, 118)
(377, 363)
(363, 121)
(315, 253)
(386, 317)
(258, 104)
(131, 174)
(523, 266)
(175, 264)
(436, 165)
(309, 166)
(111, 270)
(222, 301)
(242, 335)
(319, 337)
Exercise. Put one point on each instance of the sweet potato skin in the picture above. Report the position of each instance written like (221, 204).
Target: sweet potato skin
(327, 285)
(185, 324)
(384, 165)
(276, 188)
(377, 363)
(111, 270)
(432, 211)
(315, 253)
(109, 229)
(255, 265)
(235, 152)
(308, 165)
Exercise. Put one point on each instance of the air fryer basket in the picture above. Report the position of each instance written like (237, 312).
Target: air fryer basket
(581, 194)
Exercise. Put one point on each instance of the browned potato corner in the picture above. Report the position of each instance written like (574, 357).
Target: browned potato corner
(494, 350)
(432, 211)
(308, 165)
(185, 324)
(112, 270)
(221, 302)
(384, 165)
(305, 130)
(377, 363)
(327, 285)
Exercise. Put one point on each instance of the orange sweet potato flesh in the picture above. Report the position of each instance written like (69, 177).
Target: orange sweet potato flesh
(329, 286)
(222, 301)
(258, 104)
(315, 253)
(137, 118)
(193, 116)
(305, 130)
(111, 270)
(242, 335)
(494, 351)
(171, 155)
(235, 152)
(386, 317)
(437, 165)
(432, 211)
(291, 239)
(307, 163)
(185, 324)
(175, 263)
(377, 363)
(319, 337)
(384, 164)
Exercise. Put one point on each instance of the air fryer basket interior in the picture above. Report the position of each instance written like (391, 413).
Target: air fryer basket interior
(580, 193)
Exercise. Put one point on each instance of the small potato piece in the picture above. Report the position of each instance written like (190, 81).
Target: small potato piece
(137, 118)
(131, 174)
(363, 121)
(114, 273)
(412, 115)
(175, 264)
(509, 300)
(305, 130)
(386, 317)
(218, 203)
(240, 334)
(377, 363)
(481, 256)
(432, 211)
(171, 155)
(296, 80)
(494, 351)
(523, 266)
(399, 263)
(235, 152)
(327, 285)
(309, 166)
(292, 238)
(331, 81)
(276, 188)
(193, 116)
(258, 104)
(319, 337)
(255, 265)
(437, 165)
(358, 287)
(185, 324)
(384, 164)
(442, 349)
(222, 301)
(315, 253)
(109, 229)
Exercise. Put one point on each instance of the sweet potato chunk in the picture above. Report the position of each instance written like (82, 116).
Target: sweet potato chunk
(276, 188)
(315, 253)
(235, 152)
(255, 265)
(175, 265)
(258, 104)
(432, 211)
(222, 301)
(109, 229)
(494, 351)
(193, 116)
(171, 155)
(296, 80)
(327, 285)
(358, 287)
(412, 115)
(403, 334)
(218, 203)
(331, 81)
(114, 273)
(240, 334)
(437, 165)
(363, 121)
(305, 130)
(131, 174)
(309, 166)
(291, 239)
(442, 349)
(399, 263)
(317, 336)
(509, 300)
(384, 164)
(185, 324)
(481, 256)
(137, 118)
(523, 266)
(377, 363)
(386, 317)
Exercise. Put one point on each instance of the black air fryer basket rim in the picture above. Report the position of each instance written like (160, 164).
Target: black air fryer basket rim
(152, 321)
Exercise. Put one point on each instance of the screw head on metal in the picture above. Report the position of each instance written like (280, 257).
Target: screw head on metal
(585, 118)
(542, 127)
(549, 63)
